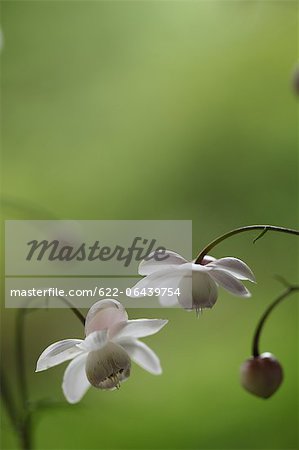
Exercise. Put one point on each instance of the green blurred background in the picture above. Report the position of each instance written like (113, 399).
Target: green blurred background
(160, 110)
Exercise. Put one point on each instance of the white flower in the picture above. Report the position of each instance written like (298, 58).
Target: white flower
(195, 285)
(103, 358)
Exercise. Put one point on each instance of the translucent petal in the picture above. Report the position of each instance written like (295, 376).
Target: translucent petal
(136, 328)
(235, 266)
(164, 278)
(94, 341)
(58, 353)
(142, 355)
(152, 265)
(230, 283)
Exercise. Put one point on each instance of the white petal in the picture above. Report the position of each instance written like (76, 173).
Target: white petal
(168, 301)
(103, 314)
(57, 353)
(75, 382)
(152, 265)
(136, 328)
(230, 283)
(94, 341)
(142, 355)
(198, 292)
(164, 278)
(201, 268)
(235, 266)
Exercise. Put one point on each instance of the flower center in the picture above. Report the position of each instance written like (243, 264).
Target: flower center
(107, 367)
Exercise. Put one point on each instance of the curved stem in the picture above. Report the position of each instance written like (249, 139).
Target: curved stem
(264, 229)
(256, 338)
(27, 206)
(76, 311)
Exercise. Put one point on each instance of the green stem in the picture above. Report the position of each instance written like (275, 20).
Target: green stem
(9, 401)
(25, 428)
(26, 206)
(23, 423)
(20, 360)
(264, 229)
(75, 310)
(27, 432)
(256, 338)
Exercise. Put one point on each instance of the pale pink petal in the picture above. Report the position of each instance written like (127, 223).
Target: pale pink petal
(103, 314)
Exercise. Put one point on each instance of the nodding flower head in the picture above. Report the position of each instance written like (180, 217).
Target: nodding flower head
(103, 358)
(261, 375)
(196, 284)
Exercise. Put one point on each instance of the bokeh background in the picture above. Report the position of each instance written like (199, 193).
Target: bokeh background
(159, 110)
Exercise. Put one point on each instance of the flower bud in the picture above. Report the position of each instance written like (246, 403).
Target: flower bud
(261, 375)
(107, 367)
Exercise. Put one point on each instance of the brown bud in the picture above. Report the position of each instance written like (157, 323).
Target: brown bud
(261, 375)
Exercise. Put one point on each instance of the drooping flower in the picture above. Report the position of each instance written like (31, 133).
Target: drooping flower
(103, 358)
(195, 285)
(261, 375)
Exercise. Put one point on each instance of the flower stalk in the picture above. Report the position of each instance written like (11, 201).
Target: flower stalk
(262, 374)
(23, 421)
(76, 311)
(264, 228)
(256, 338)
(26, 422)
(8, 401)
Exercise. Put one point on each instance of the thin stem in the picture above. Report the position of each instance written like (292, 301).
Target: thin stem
(9, 401)
(76, 311)
(264, 229)
(27, 432)
(20, 360)
(26, 206)
(24, 428)
(256, 338)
